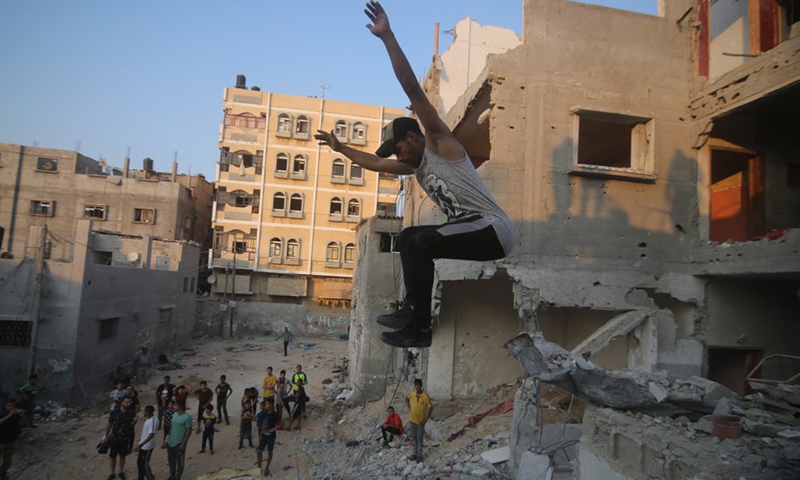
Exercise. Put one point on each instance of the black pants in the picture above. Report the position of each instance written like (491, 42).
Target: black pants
(222, 408)
(285, 348)
(208, 434)
(387, 432)
(471, 238)
(143, 465)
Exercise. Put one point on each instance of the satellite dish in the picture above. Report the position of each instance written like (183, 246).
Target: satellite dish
(133, 257)
(211, 279)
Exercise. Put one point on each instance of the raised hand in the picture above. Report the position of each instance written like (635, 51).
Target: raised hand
(378, 17)
(329, 139)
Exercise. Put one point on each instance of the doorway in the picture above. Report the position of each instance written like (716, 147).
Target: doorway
(730, 366)
(737, 195)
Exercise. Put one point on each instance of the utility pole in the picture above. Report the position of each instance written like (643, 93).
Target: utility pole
(37, 300)
(233, 289)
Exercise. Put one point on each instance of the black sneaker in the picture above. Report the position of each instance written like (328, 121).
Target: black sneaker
(408, 337)
(398, 319)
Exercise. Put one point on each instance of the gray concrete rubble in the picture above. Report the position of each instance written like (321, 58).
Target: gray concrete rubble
(552, 364)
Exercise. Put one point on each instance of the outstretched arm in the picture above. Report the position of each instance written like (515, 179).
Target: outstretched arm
(438, 137)
(365, 159)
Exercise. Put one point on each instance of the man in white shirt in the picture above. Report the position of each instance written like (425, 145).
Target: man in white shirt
(147, 443)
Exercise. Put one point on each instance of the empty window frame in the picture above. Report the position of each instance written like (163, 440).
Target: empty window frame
(356, 174)
(42, 208)
(614, 144)
(385, 208)
(337, 171)
(144, 215)
(302, 127)
(359, 134)
(299, 167)
(284, 125)
(296, 205)
(293, 251)
(279, 205)
(340, 131)
(350, 255)
(107, 328)
(282, 165)
(95, 212)
(353, 210)
(335, 213)
(332, 254)
(44, 164)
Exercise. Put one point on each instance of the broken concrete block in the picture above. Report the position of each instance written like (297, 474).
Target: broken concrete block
(533, 466)
(497, 455)
(714, 391)
(616, 327)
(660, 393)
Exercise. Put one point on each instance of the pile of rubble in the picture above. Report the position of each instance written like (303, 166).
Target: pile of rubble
(51, 412)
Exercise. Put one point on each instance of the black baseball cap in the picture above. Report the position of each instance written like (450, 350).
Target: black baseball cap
(396, 130)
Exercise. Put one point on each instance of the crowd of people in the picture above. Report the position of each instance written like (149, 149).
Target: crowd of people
(282, 397)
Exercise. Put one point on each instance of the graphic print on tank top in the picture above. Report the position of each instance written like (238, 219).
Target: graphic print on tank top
(440, 193)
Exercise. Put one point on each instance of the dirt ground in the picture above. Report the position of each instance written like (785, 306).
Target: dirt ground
(66, 449)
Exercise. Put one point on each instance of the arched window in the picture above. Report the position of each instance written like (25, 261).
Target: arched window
(359, 133)
(282, 165)
(275, 250)
(284, 125)
(340, 130)
(302, 127)
(356, 174)
(296, 205)
(332, 254)
(279, 204)
(337, 171)
(299, 167)
(292, 248)
(336, 209)
(350, 254)
(353, 209)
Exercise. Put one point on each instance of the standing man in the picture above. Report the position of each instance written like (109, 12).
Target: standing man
(10, 421)
(299, 376)
(223, 391)
(204, 396)
(142, 361)
(147, 442)
(116, 395)
(29, 392)
(287, 337)
(391, 426)
(164, 395)
(179, 434)
(419, 411)
(268, 386)
(477, 228)
(268, 425)
(118, 430)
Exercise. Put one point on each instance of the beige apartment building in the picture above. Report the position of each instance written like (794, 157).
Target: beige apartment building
(286, 208)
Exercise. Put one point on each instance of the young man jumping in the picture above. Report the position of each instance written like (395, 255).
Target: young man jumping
(477, 228)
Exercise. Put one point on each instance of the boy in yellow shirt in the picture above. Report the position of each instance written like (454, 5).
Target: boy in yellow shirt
(419, 411)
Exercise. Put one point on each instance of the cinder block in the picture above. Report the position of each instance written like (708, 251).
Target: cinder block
(627, 452)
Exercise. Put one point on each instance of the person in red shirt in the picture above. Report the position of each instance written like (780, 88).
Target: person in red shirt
(391, 426)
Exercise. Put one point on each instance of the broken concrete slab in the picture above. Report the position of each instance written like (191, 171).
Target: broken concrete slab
(497, 455)
(625, 389)
(533, 466)
(616, 327)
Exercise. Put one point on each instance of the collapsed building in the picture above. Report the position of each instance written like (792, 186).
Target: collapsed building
(651, 166)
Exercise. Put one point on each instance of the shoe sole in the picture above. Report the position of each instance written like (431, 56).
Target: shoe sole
(392, 322)
(406, 343)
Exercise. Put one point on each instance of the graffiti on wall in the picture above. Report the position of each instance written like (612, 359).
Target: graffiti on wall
(145, 337)
(58, 365)
(326, 322)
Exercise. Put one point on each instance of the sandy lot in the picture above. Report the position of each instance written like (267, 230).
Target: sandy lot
(66, 449)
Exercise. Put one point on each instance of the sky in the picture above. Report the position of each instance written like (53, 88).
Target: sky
(102, 77)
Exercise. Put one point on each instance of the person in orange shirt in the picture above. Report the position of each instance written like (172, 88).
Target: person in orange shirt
(391, 426)
(268, 386)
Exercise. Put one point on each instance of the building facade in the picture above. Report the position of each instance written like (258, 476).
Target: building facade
(286, 208)
(59, 187)
(650, 164)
